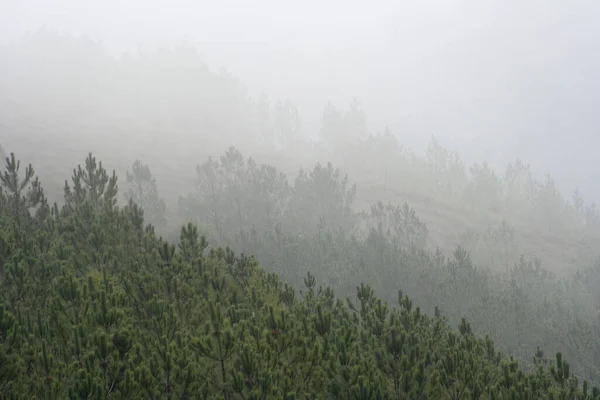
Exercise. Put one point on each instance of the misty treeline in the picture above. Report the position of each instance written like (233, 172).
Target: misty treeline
(309, 225)
(95, 305)
(168, 90)
(170, 98)
(174, 94)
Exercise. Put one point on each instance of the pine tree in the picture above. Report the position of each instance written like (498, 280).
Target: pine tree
(21, 194)
(144, 192)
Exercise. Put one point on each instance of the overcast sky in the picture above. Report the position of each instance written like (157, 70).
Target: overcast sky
(494, 79)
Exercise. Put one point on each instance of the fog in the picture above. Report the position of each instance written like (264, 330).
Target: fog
(443, 149)
(494, 80)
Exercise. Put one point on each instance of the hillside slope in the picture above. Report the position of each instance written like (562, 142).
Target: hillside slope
(448, 218)
(94, 304)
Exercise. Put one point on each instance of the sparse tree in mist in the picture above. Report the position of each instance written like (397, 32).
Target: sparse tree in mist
(437, 159)
(400, 223)
(592, 215)
(323, 198)
(414, 231)
(264, 121)
(504, 235)
(287, 123)
(457, 179)
(578, 206)
(144, 192)
(210, 186)
(589, 278)
(549, 203)
(447, 169)
(343, 129)
(384, 154)
(356, 122)
(484, 188)
(387, 150)
(519, 186)
(269, 194)
(236, 195)
(332, 125)
(235, 174)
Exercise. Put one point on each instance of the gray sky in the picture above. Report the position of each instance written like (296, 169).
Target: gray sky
(494, 79)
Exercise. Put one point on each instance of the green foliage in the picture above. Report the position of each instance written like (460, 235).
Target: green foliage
(322, 199)
(236, 194)
(309, 225)
(522, 308)
(94, 305)
(91, 185)
(399, 223)
(121, 313)
(21, 194)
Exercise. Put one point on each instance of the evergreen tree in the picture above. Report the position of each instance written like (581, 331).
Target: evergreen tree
(21, 194)
(143, 191)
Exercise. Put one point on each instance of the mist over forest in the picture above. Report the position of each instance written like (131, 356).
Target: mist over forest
(493, 80)
(297, 200)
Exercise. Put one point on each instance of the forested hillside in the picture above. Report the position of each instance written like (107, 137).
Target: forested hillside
(308, 225)
(234, 258)
(94, 305)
